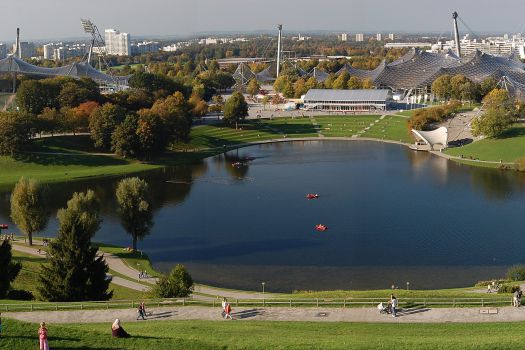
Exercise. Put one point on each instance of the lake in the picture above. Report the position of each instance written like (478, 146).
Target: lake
(393, 216)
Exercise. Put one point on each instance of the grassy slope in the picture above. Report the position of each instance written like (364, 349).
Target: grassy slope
(28, 278)
(203, 335)
(509, 147)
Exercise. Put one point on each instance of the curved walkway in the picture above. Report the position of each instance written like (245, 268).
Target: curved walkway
(132, 282)
(410, 315)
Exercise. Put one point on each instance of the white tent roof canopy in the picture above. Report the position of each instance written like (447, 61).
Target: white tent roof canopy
(434, 137)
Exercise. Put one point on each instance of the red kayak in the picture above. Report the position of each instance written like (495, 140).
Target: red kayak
(321, 228)
(312, 196)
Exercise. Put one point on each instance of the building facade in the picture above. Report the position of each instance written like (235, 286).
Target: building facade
(3, 51)
(117, 43)
(26, 49)
(345, 101)
(359, 37)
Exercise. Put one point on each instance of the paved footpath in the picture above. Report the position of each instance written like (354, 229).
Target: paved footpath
(416, 315)
(116, 264)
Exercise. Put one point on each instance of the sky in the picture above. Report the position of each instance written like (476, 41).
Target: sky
(53, 19)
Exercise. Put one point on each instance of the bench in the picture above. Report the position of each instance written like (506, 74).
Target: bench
(488, 311)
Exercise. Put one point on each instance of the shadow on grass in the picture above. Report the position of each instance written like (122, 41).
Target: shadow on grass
(513, 132)
(64, 144)
(29, 259)
(63, 159)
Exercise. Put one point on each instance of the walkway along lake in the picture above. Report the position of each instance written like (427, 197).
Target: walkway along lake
(393, 216)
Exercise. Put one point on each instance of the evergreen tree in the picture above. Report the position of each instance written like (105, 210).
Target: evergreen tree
(74, 272)
(8, 269)
(28, 207)
(135, 208)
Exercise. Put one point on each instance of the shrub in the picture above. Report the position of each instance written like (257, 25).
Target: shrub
(516, 273)
(424, 118)
(486, 283)
(508, 288)
(178, 283)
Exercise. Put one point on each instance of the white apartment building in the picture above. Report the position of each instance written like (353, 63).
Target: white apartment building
(391, 36)
(49, 51)
(379, 37)
(359, 37)
(117, 43)
(343, 37)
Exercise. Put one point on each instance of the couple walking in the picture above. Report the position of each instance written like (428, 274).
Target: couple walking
(226, 309)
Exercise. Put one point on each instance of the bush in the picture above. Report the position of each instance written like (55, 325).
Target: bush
(177, 284)
(508, 289)
(424, 118)
(17, 294)
(486, 283)
(516, 273)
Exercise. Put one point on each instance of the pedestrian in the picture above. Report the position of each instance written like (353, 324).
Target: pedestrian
(489, 288)
(228, 311)
(141, 311)
(394, 303)
(515, 298)
(223, 304)
(42, 336)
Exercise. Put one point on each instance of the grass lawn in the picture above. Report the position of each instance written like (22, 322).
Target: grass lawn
(508, 148)
(27, 279)
(203, 335)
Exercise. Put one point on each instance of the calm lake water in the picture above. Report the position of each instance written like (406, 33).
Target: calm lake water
(394, 216)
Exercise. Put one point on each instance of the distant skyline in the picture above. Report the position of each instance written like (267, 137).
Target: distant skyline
(56, 19)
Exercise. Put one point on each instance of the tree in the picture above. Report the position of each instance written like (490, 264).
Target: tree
(300, 88)
(177, 284)
(8, 269)
(253, 87)
(354, 83)
(235, 109)
(50, 120)
(103, 122)
(218, 104)
(74, 272)
(135, 208)
(176, 114)
(15, 132)
(341, 81)
(441, 87)
(28, 207)
(199, 108)
(501, 113)
(151, 135)
(30, 97)
(311, 83)
(82, 114)
(124, 140)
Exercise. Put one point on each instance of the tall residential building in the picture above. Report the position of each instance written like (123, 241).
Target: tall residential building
(392, 36)
(379, 37)
(117, 43)
(3, 51)
(343, 37)
(48, 51)
(359, 37)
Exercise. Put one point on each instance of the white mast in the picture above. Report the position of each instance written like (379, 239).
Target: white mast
(280, 27)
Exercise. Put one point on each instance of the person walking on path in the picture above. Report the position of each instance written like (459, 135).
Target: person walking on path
(226, 309)
(394, 303)
(42, 336)
(141, 311)
(223, 305)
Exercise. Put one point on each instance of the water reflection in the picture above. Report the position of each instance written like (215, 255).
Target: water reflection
(242, 216)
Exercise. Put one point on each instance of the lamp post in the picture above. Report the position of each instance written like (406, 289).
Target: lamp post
(263, 283)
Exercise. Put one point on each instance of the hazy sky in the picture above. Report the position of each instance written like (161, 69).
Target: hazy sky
(43, 19)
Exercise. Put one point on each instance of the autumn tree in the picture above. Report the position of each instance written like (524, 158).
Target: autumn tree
(441, 87)
(253, 87)
(103, 122)
(15, 132)
(500, 114)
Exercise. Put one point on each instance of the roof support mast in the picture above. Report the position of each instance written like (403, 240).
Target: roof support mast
(456, 33)
(280, 27)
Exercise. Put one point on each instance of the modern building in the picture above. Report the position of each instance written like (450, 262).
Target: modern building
(379, 37)
(49, 51)
(391, 36)
(144, 47)
(343, 37)
(359, 37)
(117, 43)
(347, 100)
(3, 51)
(407, 45)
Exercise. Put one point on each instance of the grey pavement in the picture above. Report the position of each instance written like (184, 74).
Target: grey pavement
(411, 315)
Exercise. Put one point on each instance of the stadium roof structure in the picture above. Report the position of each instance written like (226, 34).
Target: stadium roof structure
(77, 70)
(346, 95)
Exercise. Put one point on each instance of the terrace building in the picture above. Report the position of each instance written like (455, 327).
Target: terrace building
(347, 100)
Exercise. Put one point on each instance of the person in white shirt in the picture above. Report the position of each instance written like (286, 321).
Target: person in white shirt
(394, 303)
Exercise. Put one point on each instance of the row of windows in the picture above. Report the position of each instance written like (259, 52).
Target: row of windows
(347, 102)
